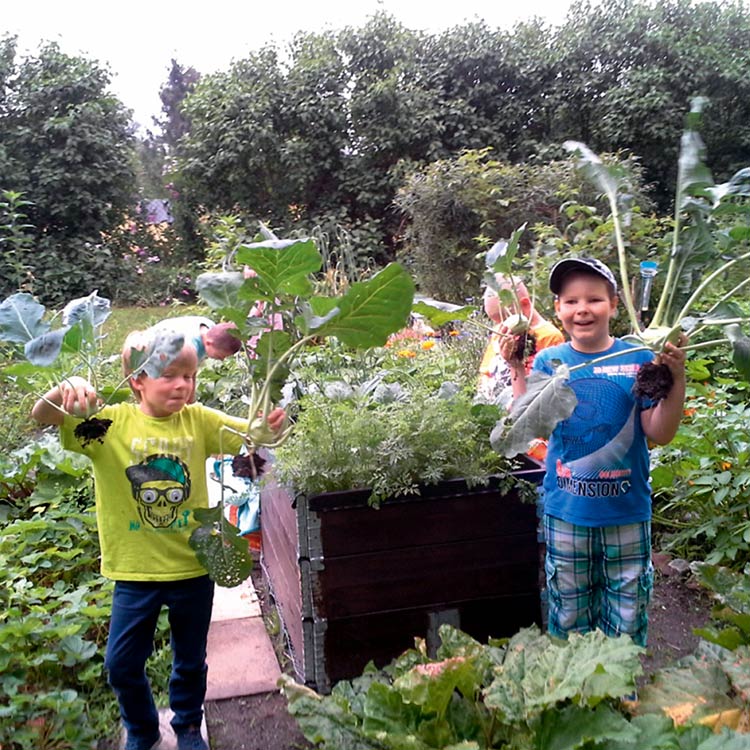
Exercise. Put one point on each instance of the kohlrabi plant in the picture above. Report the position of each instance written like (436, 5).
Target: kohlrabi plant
(58, 346)
(709, 239)
(266, 288)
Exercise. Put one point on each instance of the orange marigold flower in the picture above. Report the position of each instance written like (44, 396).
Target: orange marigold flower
(725, 465)
(427, 345)
(406, 353)
(453, 333)
(690, 412)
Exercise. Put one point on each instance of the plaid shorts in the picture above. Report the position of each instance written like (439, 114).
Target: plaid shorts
(598, 577)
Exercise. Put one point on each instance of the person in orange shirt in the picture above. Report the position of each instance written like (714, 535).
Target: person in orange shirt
(494, 373)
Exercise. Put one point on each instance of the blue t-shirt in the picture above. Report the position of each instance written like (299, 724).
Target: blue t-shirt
(597, 471)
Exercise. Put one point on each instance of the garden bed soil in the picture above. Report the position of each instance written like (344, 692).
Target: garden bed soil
(261, 722)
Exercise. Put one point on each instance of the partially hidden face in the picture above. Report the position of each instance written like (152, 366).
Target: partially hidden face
(167, 394)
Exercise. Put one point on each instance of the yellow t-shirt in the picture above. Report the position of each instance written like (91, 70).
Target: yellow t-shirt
(150, 476)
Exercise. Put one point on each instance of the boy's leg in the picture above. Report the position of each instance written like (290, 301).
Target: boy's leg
(572, 590)
(189, 605)
(629, 579)
(135, 610)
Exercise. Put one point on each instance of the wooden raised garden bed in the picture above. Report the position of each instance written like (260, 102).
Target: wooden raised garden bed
(354, 584)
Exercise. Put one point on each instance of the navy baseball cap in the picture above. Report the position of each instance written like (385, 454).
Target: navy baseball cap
(590, 265)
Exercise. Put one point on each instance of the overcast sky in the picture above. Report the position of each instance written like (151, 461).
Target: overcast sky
(138, 39)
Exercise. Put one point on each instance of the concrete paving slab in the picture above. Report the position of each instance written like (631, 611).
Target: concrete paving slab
(168, 737)
(235, 603)
(241, 659)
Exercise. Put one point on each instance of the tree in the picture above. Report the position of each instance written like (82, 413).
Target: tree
(66, 144)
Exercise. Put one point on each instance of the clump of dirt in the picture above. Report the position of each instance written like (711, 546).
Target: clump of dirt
(653, 381)
(91, 429)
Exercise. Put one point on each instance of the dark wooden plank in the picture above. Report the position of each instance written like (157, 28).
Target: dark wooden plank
(426, 576)
(447, 519)
(352, 642)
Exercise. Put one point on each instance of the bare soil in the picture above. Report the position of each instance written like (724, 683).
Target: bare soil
(261, 722)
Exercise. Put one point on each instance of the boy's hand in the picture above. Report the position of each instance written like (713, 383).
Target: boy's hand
(674, 358)
(78, 397)
(277, 419)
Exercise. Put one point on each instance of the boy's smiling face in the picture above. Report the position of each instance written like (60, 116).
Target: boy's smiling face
(167, 394)
(585, 306)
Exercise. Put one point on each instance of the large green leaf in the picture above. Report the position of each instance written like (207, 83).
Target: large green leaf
(548, 400)
(740, 349)
(220, 290)
(654, 732)
(44, 349)
(693, 176)
(325, 719)
(93, 309)
(698, 687)
(21, 318)
(283, 267)
(220, 549)
(577, 727)
(502, 254)
(370, 311)
(439, 314)
(732, 588)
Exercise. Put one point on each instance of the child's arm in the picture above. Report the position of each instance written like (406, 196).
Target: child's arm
(70, 395)
(660, 423)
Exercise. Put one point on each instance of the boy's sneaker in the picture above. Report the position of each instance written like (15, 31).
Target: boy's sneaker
(191, 739)
(141, 743)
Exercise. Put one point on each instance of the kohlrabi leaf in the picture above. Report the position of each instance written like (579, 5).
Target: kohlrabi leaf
(163, 346)
(502, 254)
(93, 309)
(740, 349)
(44, 349)
(372, 310)
(220, 549)
(693, 176)
(547, 401)
(21, 318)
(439, 316)
(282, 267)
(220, 290)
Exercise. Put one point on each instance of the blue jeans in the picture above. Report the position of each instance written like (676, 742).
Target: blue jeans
(135, 610)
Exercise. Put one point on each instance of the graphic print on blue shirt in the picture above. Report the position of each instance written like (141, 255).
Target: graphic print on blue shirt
(597, 462)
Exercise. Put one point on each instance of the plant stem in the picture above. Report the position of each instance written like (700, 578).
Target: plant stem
(696, 294)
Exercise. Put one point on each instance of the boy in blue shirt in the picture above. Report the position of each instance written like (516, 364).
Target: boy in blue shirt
(597, 497)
